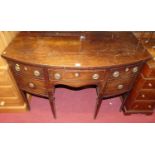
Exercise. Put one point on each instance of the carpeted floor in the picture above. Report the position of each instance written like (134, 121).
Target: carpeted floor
(74, 106)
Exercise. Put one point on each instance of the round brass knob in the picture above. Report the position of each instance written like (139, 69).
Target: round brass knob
(135, 69)
(4, 52)
(143, 95)
(77, 74)
(149, 106)
(57, 76)
(17, 67)
(146, 41)
(82, 37)
(2, 103)
(127, 69)
(150, 84)
(31, 85)
(95, 76)
(116, 74)
(120, 86)
(25, 68)
(36, 73)
(136, 106)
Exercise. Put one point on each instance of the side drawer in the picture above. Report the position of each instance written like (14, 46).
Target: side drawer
(33, 86)
(24, 69)
(114, 87)
(124, 72)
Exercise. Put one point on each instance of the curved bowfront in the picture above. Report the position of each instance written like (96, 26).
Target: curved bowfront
(109, 60)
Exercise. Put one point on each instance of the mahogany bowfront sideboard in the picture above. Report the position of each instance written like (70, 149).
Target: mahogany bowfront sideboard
(111, 61)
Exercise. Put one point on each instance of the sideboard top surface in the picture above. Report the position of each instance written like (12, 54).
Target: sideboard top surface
(76, 49)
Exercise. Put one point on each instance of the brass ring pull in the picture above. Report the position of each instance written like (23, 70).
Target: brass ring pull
(116, 74)
(2, 103)
(135, 69)
(120, 86)
(95, 76)
(17, 67)
(36, 73)
(57, 76)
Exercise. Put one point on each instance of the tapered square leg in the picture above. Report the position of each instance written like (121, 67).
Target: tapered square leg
(97, 107)
(52, 104)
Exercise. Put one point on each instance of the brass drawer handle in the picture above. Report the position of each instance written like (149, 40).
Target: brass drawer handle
(116, 74)
(77, 74)
(146, 41)
(2, 103)
(120, 86)
(150, 84)
(57, 76)
(149, 106)
(136, 106)
(95, 76)
(36, 73)
(143, 95)
(31, 85)
(17, 67)
(25, 68)
(82, 37)
(135, 69)
(127, 69)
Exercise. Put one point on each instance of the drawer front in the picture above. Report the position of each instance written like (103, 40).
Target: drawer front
(7, 91)
(148, 70)
(146, 95)
(31, 85)
(124, 72)
(10, 101)
(35, 72)
(114, 87)
(150, 73)
(143, 105)
(76, 75)
(149, 84)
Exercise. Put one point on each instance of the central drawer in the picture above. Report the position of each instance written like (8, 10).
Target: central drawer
(76, 75)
